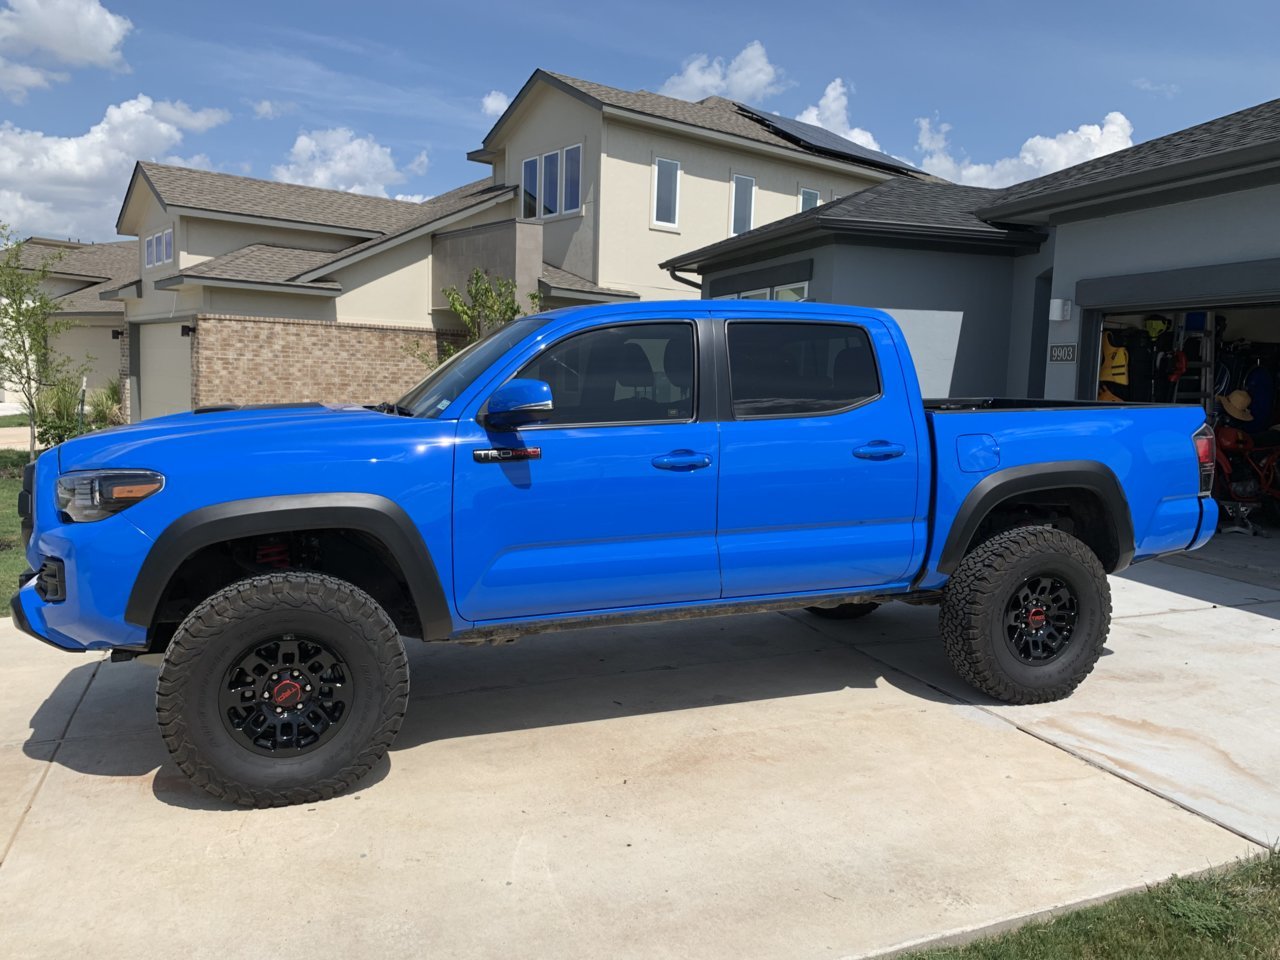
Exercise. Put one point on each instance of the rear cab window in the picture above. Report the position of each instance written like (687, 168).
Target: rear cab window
(792, 369)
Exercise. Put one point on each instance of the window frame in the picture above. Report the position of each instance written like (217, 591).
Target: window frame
(817, 198)
(537, 187)
(733, 206)
(649, 322)
(731, 413)
(556, 183)
(149, 244)
(654, 222)
(168, 245)
(773, 291)
(565, 209)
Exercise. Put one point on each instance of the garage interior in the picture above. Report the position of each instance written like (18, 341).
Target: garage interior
(1226, 359)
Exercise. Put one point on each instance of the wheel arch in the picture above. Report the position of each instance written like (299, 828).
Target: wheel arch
(1087, 482)
(377, 517)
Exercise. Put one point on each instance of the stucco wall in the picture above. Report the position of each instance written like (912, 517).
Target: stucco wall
(393, 287)
(90, 343)
(511, 250)
(203, 239)
(165, 375)
(631, 247)
(1233, 227)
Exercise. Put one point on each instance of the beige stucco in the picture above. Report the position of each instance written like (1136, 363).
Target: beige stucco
(89, 348)
(164, 369)
(631, 246)
(204, 238)
(392, 288)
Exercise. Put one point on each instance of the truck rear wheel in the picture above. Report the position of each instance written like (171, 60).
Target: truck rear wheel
(1025, 615)
(846, 611)
(284, 688)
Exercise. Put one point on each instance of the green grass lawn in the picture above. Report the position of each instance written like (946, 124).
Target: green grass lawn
(12, 558)
(14, 420)
(1230, 915)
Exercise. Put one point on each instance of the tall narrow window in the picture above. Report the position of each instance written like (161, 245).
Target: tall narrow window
(529, 189)
(168, 245)
(151, 251)
(808, 198)
(744, 189)
(666, 192)
(572, 179)
(551, 184)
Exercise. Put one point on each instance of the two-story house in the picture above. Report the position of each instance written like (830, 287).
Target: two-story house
(255, 291)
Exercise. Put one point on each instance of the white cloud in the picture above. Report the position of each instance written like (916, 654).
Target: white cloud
(418, 165)
(180, 115)
(832, 113)
(75, 33)
(494, 103)
(337, 159)
(1167, 90)
(414, 197)
(271, 109)
(749, 76)
(197, 161)
(1038, 156)
(72, 186)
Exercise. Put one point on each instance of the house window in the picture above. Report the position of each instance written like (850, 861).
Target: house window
(809, 198)
(151, 251)
(788, 292)
(551, 184)
(744, 189)
(666, 192)
(168, 245)
(791, 292)
(572, 179)
(529, 191)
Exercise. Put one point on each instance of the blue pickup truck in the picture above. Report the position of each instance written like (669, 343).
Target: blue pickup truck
(611, 464)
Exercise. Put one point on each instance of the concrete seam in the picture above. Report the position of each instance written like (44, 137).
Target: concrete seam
(48, 764)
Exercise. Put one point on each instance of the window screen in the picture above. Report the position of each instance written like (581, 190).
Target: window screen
(665, 193)
(529, 189)
(808, 199)
(551, 184)
(743, 202)
(625, 374)
(572, 178)
(785, 369)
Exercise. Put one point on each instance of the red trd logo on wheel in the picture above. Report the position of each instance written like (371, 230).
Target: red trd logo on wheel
(286, 692)
(1036, 618)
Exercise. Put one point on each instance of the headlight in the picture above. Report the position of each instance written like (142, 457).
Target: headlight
(96, 494)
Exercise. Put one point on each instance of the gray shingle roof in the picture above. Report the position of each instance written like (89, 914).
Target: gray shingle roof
(261, 263)
(116, 263)
(227, 193)
(1255, 126)
(915, 206)
(561, 279)
(712, 113)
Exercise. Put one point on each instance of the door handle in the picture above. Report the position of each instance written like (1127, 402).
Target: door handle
(682, 461)
(879, 450)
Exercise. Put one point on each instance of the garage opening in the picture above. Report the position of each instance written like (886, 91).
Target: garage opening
(1226, 360)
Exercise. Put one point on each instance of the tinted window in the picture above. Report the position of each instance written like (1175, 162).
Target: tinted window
(665, 195)
(572, 178)
(529, 187)
(551, 184)
(743, 201)
(432, 396)
(779, 369)
(620, 374)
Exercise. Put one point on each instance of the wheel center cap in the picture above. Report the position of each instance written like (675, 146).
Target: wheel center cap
(286, 693)
(1036, 618)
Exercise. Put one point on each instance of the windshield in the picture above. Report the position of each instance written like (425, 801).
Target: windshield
(433, 395)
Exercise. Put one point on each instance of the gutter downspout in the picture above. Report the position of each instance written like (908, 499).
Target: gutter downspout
(696, 284)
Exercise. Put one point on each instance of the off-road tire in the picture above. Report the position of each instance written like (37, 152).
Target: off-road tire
(217, 631)
(972, 616)
(846, 611)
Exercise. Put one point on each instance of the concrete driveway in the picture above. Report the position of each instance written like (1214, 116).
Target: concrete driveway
(769, 786)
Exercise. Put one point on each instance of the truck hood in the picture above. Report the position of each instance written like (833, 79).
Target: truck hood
(217, 432)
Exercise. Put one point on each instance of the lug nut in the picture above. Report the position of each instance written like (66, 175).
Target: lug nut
(307, 687)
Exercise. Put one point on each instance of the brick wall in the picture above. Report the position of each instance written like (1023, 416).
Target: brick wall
(125, 391)
(262, 360)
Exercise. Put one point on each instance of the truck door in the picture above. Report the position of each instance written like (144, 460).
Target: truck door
(819, 466)
(614, 501)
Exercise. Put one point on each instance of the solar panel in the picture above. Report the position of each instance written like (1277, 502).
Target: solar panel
(822, 139)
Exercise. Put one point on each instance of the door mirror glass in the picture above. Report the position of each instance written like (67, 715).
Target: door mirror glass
(518, 403)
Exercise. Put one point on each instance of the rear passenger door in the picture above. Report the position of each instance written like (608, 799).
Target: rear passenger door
(818, 460)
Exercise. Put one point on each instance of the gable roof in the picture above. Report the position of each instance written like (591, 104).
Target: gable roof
(260, 263)
(268, 199)
(1223, 146)
(716, 114)
(902, 209)
(102, 266)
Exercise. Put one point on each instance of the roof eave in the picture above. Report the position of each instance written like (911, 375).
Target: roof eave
(538, 76)
(1225, 167)
(182, 281)
(548, 289)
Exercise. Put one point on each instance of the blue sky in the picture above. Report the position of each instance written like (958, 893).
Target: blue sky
(388, 97)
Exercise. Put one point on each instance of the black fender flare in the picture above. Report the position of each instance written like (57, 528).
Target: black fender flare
(369, 513)
(997, 487)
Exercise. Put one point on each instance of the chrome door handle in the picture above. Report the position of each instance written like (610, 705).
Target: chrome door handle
(682, 461)
(879, 450)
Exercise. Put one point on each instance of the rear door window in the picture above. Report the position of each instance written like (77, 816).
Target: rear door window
(799, 369)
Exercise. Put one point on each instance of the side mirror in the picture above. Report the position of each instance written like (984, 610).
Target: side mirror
(518, 403)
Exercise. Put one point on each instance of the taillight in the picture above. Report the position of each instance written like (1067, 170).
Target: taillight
(1206, 453)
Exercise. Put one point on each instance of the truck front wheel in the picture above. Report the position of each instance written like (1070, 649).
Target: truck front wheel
(281, 689)
(1025, 615)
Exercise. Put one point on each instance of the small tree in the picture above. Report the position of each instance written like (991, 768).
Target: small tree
(489, 303)
(28, 323)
